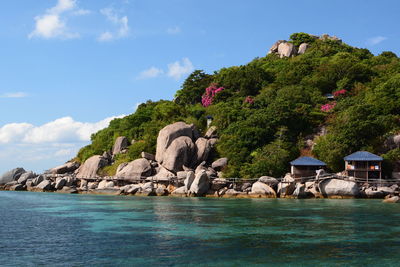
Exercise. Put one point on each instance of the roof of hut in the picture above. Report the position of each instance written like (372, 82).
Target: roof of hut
(363, 156)
(307, 161)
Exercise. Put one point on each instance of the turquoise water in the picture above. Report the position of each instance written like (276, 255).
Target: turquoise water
(47, 229)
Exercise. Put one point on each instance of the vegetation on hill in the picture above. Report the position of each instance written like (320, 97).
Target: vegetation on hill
(267, 107)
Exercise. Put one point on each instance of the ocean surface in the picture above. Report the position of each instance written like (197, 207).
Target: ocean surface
(48, 229)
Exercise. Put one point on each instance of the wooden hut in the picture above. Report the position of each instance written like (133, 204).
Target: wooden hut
(306, 166)
(363, 164)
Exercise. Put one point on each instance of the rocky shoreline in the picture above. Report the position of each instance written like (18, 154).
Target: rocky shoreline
(183, 166)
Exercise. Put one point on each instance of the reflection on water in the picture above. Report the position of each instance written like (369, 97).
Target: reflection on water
(65, 230)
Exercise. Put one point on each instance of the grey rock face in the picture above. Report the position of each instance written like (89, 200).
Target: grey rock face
(200, 184)
(302, 48)
(11, 175)
(287, 186)
(91, 166)
(168, 134)
(259, 188)
(25, 176)
(135, 170)
(68, 167)
(60, 183)
(105, 184)
(37, 180)
(219, 164)
(181, 191)
(148, 156)
(180, 152)
(286, 50)
(189, 180)
(274, 47)
(45, 185)
(394, 199)
(270, 181)
(336, 187)
(163, 175)
(120, 144)
(18, 187)
(203, 147)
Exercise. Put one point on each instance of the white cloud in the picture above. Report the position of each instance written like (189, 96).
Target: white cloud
(62, 130)
(52, 24)
(174, 30)
(82, 12)
(178, 69)
(14, 95)
(376, 40)
(120, 22)
(150, 73)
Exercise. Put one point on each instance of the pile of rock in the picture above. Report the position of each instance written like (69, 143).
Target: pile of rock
(285, 48)
(20, 180)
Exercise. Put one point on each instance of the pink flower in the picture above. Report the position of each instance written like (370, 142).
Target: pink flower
(339, 92)
(209, 95)
(249, 100)
(328, 107)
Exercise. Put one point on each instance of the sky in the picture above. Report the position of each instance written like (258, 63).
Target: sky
(68, 67)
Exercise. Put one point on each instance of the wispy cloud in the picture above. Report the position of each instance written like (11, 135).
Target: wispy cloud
(121, 22)
(150, 73)
(174, 30)
(376, 40)
(178, 69)
(52, 24)
(14, 95)
(175, 70)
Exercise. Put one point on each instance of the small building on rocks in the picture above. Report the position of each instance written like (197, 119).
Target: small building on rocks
(363, 164)
(306, 166)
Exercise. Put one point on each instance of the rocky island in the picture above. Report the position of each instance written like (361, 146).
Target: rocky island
(309, 96)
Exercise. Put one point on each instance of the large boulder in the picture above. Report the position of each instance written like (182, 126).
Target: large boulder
(60, 183)
(274, 47)
(262, 190)
(91, 166)
(338, 188)
(394, 199)
(25, 176)
(180, 152)
(37, 180)
(105, 184)
(219, 164)
(12, 175)
(181, 191)
(189, 180)
(287, 186)
(203, 147)
(135, 170)
(120, 144)
(18, 187)
(45, 185)
(302, 48)
(68, 167)
(168, 134)
(286, 49)
(162, 175)
(200, 184)
(270, 181)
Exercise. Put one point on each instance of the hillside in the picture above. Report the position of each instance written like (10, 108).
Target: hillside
(276, 108)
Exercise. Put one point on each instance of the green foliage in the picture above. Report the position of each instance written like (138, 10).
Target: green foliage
(262, 137)
(193, 88)
(301, 37)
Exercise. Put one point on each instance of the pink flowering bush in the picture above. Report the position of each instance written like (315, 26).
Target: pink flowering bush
(340, 93)
(328, 107)
(210, 93)
(249, 100)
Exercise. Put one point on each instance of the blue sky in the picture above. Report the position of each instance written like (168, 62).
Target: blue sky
(68, 67)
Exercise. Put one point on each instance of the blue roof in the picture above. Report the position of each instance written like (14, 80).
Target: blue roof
(307, 161)
(363, 156)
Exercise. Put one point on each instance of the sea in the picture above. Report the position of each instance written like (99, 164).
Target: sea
(49, 229)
